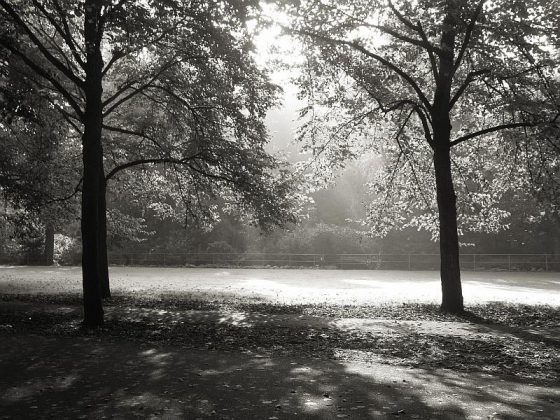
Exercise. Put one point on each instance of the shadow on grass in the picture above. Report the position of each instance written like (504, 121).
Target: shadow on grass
(522, 328)
(93, 377)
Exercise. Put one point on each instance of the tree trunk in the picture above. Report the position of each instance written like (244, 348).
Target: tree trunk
(92, 156)
(103, 261)
(93, 310)
(452, 294)
(48, 253)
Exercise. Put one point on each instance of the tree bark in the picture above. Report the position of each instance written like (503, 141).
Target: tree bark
(103, 260)
(92, 156)
(48, 253)
(450, 270)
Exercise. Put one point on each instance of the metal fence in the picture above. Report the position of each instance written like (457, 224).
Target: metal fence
(469, 262)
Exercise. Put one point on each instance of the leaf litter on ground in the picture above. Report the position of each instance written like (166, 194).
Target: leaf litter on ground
(161, 319)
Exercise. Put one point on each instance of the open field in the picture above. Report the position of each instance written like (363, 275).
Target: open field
(293, 286)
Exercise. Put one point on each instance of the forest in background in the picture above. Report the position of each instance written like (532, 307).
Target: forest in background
(328, 227)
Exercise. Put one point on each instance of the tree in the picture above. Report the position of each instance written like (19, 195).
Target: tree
(97, 58)
(38, 174)
(441, 75)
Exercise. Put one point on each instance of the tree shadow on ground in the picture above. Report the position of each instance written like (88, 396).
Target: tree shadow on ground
(525, 333)
(296, 334)
(96, 377)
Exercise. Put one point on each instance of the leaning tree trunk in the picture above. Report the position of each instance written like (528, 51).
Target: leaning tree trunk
(102, 256)
(92, 156)
(48, 252)
(450, 270)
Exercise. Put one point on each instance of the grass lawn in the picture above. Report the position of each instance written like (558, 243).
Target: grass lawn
(217, 350)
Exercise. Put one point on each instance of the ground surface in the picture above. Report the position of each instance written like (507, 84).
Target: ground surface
(294, 286)
(243, 344)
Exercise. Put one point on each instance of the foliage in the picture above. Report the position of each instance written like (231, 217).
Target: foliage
(372, 79)
(39, 160)
(181, 91)
(220, 247)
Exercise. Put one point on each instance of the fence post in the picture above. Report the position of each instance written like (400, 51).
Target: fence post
(509, 262)
(474, 262)
(545, 262)
(409, 262)
(164, 259)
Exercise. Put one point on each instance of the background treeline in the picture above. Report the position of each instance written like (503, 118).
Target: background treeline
(141, 225)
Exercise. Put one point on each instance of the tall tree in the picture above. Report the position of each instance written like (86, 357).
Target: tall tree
(39, 170)
(97, 57)
(445, 73)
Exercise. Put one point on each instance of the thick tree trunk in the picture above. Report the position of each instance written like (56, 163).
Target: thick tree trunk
(103, 261)
(92, 156)
(48, 252)
(452, 295)
(93, 310)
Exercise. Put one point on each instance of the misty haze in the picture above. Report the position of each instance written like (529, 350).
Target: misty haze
(247, 209)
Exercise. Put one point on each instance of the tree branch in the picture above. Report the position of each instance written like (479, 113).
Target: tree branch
(135, 91)
(354, 45)
(425, 124)
(406, 22)
(51, 58)
(77, 189)
(490, 130)
(423, 43)
(126, 165)
(468, 34)
(433, 61)
(43, 73)
(468, 80)
(64, 33)
(117, 55)
(132, 133)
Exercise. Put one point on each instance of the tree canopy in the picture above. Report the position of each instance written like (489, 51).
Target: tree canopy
(451, 83)
(150, 83)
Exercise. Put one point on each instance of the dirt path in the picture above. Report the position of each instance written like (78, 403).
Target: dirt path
(48, 377)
